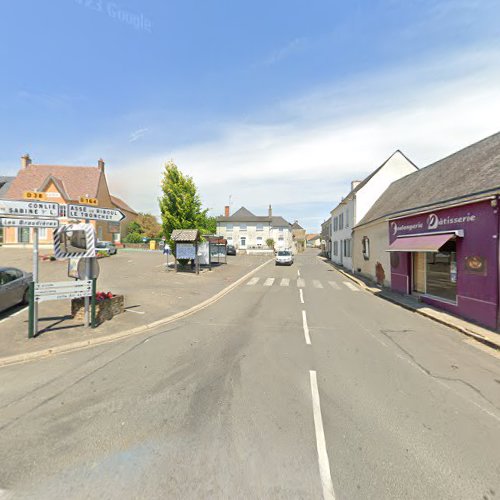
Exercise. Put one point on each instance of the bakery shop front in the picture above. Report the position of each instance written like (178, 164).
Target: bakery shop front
(449, 258)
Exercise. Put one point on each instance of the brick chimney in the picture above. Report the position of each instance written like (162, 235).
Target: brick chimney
(25, 160)
(354, 184)
(100, 164)
(270, 211)
(226, 211)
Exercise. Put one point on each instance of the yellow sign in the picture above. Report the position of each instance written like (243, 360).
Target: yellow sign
(88, 201)
(33, 195)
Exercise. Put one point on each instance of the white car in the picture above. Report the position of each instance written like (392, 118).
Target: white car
(284, 258)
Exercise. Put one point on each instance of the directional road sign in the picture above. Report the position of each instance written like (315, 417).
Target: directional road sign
(8, 222)
(34, 195)
(84, 200)
(62, 290)
(94, 213)
(29, 208)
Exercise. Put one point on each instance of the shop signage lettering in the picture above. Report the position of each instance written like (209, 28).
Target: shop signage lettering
(433, 222)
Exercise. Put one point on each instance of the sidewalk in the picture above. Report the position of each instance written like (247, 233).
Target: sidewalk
(477, 332)
(151, 294)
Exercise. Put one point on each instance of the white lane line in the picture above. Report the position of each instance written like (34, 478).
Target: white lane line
(253, 281)
(301, 283)
(306, 328)
(324, 463)
(132, 311)
(352, 287)
(298, 272)
(317, 284)
(285, 282)
(301, 296)
(334, 285)
(15, 314)
(269, 282)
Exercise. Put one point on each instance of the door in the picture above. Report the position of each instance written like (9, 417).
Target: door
(418, 272)
(243, 242)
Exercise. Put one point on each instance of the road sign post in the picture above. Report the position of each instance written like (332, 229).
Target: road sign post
(92, 305)
(35, 280)
(31, 318)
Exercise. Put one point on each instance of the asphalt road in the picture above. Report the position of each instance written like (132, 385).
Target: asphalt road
(289, 387)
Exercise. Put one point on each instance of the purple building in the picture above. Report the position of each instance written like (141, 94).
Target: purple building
(444, 225)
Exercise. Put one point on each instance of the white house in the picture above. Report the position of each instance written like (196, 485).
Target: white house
(247, 231)
(360, 199)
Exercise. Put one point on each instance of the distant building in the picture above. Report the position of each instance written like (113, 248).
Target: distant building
(299, 237)
(130, 216)
(326, 238)
(313, 240)
(247, 231)
(63, 184)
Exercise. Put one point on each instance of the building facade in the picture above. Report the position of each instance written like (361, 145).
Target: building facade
(358, 202)
(299, 237)
(60, 184)
(247, 231)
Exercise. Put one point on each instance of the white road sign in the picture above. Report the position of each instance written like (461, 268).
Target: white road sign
(7, 222)
(94, 213)
(29, 208)
(62, 290)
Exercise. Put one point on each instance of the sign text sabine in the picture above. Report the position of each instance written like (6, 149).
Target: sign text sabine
(432, 222)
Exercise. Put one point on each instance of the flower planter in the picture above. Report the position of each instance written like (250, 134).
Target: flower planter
(104, 309)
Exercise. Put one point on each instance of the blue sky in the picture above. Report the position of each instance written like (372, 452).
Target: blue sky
(280, 102)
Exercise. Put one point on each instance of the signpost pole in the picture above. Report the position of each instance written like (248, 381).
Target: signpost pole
(31, 317)
(86, 300)
(175, 257)
(35, 280)
(92, 309)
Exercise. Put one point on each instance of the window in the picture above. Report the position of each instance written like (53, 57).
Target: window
(9, 275)
(1, 235)
(341, 221)
(347, 248)
(229, 227)
(280, 229)
(365, 242)
(346, 217)
(243, 226)
(259, 241)
(23, 234)
(441, 272)
(229, 240)
(42, 233)
(260, 227)
(99, 233)
(335, 248)
(335, 224)
(243, 242)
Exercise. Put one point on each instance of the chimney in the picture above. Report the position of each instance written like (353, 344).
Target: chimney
(25, 160)
(270, 211)
(226, 211)
(100, 164)
(354, 184)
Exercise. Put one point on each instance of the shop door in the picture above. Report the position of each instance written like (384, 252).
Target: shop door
(419, 259)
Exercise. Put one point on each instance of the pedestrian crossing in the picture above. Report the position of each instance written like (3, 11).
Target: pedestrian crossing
(302, 283)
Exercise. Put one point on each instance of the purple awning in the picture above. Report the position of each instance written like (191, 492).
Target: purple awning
(424, 243)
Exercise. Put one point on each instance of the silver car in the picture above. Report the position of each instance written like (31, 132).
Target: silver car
(14, 287)
(284, 258)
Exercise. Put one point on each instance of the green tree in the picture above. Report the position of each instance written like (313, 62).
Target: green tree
(270, 242)
(150, 227)
(180, 204)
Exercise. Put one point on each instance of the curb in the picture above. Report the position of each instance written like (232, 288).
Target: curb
(377, 293)
(21, 358)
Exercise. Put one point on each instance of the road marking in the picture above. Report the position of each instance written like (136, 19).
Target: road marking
(317, 284)
(13, 315)
(269, 282)
(334, 285)
(306, 328)
(301, 296)
(285, 282)
(132, 311)
(301, 283)
(298, 272)
(352, 287)
(324, 463)
(253, 281)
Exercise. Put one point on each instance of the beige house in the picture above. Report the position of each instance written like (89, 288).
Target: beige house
(299, 237)
(247, 231)
(62, 184)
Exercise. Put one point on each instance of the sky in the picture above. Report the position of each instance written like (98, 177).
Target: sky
(264, 102)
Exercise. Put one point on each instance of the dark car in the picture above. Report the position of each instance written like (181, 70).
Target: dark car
(230, 250)
(14, 287)
(106, 246)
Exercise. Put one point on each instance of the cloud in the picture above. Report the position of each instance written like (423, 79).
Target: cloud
(304, 164)
(137, 134)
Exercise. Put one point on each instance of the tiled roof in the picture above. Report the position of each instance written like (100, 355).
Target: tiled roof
(187, 235)
(244, 215)
(118, 202)
(472, 170)
(77, 181)
(310, 237)
(296, 225)
(279, 221)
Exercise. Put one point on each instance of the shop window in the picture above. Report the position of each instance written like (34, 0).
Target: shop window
(23, 234)
(441, 272)
(365, 242)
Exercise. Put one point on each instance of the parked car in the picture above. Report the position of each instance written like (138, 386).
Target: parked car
(14, 287)
(284, 257)
(230, 250)
(106, 246)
